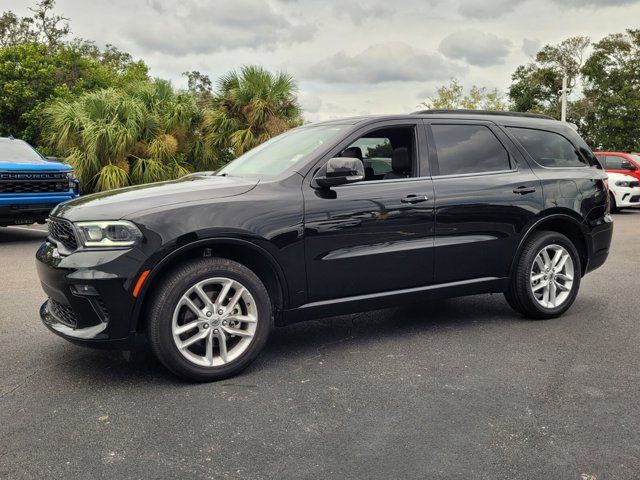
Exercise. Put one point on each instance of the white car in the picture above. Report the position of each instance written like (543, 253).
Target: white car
(624, 191)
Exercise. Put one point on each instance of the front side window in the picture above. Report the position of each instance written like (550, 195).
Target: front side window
(386, 153)
(614, 162)
(464, 149)
(282, 152)
(548, 149)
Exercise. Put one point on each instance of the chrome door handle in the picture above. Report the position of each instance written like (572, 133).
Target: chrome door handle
(415, 198)
(524, 190)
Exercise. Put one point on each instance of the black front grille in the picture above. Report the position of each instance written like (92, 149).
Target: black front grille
(34, 187)
(62, 232)
(64, 313)
(635, 198)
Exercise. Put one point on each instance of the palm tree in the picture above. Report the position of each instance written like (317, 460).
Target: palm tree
(143, 132)
(249, 108)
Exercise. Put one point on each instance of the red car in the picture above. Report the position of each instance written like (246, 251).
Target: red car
(618, 162)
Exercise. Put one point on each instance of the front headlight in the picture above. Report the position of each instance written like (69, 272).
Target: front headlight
(108, 234)
(71, 176)
(623, 183)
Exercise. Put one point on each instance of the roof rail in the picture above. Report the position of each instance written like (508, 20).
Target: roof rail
(483, 112)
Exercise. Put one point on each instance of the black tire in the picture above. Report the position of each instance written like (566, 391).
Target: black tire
(169, 293)
(520, 295)
(613, 206)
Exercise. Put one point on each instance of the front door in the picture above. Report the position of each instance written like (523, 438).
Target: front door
(375, 235)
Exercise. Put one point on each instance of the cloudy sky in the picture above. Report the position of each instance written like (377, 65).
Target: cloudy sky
(349, 56)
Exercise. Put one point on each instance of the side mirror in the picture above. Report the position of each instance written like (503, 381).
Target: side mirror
(627, 165)
(339, 171)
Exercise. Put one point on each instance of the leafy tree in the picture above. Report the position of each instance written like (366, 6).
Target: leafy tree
(32, 75)
(248, 108)
(537, 86)
(382, 150)
(612, 89)
(452, 97)
(140, 133)
(42, 27)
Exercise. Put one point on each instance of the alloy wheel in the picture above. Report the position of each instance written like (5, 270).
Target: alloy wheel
(551, 277)
(214, 322)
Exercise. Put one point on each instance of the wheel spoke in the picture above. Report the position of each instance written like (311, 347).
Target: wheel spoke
(236, 297)
(179, 330)
(202, 295)
(538, 286)
(545, 294)
(224, 291)
(552, 293)
(238, 332)
(191, 340)
(562, 261)
(545, 257)
(187, 302)
(209, 349)
(537, 277)
(241, 318)
(561, 287)
(222, 346)
(565, 277)
(540, 263)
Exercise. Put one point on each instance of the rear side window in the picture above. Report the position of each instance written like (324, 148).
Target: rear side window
(468, 149)
(614, 162)
(549, 149)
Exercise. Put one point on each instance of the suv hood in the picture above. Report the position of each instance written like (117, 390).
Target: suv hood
(126, 202)
(33, 166)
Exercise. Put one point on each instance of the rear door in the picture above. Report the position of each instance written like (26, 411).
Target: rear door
(486, 195)
(374, 235)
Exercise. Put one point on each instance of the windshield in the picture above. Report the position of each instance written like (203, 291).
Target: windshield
(635, 157)
(282, 152)
(17, 151)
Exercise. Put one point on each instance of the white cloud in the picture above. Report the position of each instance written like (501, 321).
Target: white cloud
(477, 48)
(201, 27)
(530, 46)
(389, 62)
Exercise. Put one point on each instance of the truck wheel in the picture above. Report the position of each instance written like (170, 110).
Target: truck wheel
(546, 278)
(209, 319)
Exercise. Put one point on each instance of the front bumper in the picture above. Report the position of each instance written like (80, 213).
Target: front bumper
(627, 197)
(26, 209)
(100, 318)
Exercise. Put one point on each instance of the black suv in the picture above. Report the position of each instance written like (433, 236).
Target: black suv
(330, 218)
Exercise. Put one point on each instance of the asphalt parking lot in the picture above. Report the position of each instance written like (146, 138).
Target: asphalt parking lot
(462, 388)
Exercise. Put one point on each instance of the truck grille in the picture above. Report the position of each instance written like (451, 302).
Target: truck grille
(62, 231)
(64, 313)
(34, 186)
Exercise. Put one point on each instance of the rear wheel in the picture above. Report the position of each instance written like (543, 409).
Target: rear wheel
(546, 279)
(209, 319)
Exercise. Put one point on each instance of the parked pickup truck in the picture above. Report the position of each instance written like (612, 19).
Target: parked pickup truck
(30, 184)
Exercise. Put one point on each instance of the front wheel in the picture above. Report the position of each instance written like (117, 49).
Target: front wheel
(613, 204)
(546, 279)
(209, 319)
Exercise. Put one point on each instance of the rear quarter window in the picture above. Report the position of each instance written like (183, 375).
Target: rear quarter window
(548, 149)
